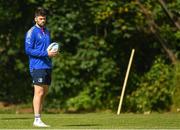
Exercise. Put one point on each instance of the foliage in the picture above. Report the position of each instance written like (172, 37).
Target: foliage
(155, 89)
(80, 73)
(13, 71)
(86, 75)
(96, 40)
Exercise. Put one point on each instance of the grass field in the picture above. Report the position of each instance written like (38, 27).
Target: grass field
(94, 121)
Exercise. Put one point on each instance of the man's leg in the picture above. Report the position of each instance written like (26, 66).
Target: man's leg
(44, 95)
(40, 92)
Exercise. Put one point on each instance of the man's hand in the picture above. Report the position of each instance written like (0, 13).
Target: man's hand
(52, 54)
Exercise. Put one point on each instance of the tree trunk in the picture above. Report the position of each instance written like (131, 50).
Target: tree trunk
(169, 14)
(155, 31)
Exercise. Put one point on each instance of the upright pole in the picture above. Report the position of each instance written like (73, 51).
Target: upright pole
(125, 82)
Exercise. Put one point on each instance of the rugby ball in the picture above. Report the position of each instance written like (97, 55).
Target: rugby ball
(53, 47)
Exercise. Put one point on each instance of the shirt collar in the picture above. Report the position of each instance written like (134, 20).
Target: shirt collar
(42, 28)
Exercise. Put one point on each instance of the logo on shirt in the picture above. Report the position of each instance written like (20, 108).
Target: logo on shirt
(40, 35)
(40, 80)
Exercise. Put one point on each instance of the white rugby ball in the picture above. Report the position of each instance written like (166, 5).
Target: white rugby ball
(53, 47)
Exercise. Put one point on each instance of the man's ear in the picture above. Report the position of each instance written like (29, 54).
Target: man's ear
(35, 19)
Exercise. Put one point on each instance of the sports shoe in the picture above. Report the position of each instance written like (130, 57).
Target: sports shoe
(40, 124)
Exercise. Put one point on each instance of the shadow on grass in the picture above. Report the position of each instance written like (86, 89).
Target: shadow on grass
(83, 125)
(16, 118)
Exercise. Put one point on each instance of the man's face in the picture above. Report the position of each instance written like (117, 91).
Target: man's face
(40, 20)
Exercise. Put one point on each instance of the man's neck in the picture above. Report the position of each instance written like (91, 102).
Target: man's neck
(39, 26)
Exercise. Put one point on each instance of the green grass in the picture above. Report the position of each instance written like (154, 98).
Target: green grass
(94, 121)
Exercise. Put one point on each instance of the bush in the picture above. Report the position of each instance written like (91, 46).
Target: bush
(155, 89)
(83, 81)
(81, 102)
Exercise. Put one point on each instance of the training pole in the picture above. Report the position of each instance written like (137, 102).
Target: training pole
(125, 81)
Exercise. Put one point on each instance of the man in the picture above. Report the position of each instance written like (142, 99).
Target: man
(36, 42)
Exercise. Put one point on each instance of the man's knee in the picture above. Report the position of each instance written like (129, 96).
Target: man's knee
(40, 93)
(40, 90)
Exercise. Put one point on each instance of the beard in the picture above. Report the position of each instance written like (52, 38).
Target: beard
(42, 24)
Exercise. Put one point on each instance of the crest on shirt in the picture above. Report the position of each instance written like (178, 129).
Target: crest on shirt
(40, 35)
(40, 80)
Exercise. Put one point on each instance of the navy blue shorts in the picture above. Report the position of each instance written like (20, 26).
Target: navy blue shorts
(41, 76)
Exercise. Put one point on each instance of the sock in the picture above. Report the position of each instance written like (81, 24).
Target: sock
(37, 117)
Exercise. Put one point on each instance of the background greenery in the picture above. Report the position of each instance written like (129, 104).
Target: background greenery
(96, 40)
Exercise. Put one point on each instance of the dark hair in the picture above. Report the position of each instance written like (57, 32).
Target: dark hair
(40, 11)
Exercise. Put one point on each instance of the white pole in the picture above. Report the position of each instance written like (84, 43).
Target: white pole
(125, 81)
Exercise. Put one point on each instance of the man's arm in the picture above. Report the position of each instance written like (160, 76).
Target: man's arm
(29, 46)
